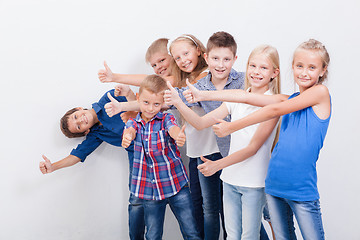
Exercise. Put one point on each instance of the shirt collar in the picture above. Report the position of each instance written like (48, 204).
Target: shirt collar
(159, 115)
(209, 85)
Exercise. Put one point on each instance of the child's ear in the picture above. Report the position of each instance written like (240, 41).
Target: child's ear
(206, 58)
(276, 73)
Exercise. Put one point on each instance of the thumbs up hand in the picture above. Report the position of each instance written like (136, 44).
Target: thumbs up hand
(192, 94)
(222, 128)
(45, 166)
(171, 96)
(209, 167)
(181, 138)
(105, 75)
(113, 107)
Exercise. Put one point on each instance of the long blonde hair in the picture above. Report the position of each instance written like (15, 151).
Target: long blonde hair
(181, 76)
(275, 84)
(272, 54)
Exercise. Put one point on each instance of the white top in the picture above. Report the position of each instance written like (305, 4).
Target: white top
(200, 143)
(252, 171)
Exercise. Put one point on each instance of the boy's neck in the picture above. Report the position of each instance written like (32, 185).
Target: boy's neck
(219, 83)
(95, 117)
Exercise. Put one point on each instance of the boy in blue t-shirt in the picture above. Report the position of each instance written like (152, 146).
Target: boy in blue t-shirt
(98, 127)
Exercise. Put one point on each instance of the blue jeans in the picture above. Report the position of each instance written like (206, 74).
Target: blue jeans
(307, 213)
(211, 190)
(136, 218)
(243, 208)
(135, 209)
(196, 196)
(181, 205)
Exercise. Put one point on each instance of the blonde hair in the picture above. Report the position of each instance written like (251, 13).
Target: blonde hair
(315, 45)
(181, 76)
(159, 45)
(154, 84)
(275, 84)
(271, 54)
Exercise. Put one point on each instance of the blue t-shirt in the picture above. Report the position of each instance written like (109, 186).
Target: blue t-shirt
(292, 168)
(110, 130)
(234, 81)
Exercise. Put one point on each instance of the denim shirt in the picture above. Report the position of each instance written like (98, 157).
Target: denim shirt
(234, 81)
(110, 130)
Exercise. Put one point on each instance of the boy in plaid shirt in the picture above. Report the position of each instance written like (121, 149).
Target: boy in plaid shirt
(159, 176)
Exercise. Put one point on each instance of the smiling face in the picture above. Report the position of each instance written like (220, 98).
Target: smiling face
(220, 61)
(307, 68)
(186, 55)
(160, 62)
(150, 104)
(81, 121)
(259, 72)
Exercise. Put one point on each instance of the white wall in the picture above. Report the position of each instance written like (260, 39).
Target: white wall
(50, 52)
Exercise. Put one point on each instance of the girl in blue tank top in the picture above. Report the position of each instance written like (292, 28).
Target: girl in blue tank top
(291, 182)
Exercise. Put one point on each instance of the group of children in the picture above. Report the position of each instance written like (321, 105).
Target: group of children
(232, 180)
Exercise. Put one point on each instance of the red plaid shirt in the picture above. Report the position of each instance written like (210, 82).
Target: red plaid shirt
(158, 171)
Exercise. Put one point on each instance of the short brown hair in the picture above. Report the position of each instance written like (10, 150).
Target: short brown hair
(153, 83)
(159, 45)
(222, 39)
(64, 125)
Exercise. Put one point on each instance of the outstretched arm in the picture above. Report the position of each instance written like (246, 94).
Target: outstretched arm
(231, 95)
(47, 167)
(106, 75)
(262, 133)
(172, 98)
(316, 97)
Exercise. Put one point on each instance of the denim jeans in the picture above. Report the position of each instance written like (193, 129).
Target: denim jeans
(211, 190)
(243, 208)
(307, 213)
(181, 205)
(135, 210)
(136, 218)
(196, 196)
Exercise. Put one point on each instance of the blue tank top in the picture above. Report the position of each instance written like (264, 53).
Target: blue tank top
(292, 168)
